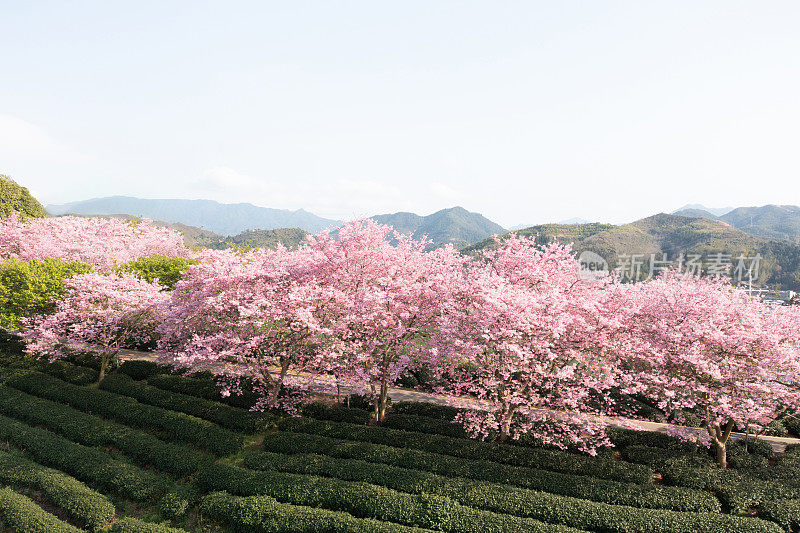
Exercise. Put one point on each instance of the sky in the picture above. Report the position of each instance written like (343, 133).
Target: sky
(526, 112)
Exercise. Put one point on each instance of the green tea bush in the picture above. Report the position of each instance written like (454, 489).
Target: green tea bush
(140, 370)
(173, 425)
(482, 493)
(786, 513)
(363, 500)
(264, 514)
(219, 413)
(134, 525)
(205, 386)
(439, 512)
(78, 501)
(557, 461)
(87, 464)
(176, 501)
(90, 430)
(22, 515)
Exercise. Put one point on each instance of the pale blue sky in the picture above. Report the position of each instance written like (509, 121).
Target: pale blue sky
(524, 111)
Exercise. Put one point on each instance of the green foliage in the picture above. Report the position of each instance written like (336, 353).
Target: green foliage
(176, 502)
(786, 513)
(539, 511)
(263, 238)
(265, 514)
(362, 500)
(173, 425)
(91, 430)
(140, 370)
(219, 413)
(67, 493)
(15, 198)
(166, 270)
(202, 386)
(578, 486)
(134, 525)
(87, 464)
(22, 515)
(469, 449)
(32, 287)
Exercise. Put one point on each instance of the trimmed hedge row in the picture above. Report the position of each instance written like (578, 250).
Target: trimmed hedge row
(76, 374)
(202, 385)
(553, 460)
(176, 426)
(364, 500)
(266, 514)
(587, 488)
(430, 410)
(88, 464)
(540, 511)
(23, 515)
(140, 370)
(133, 525)
(786, 513)
(81, 503)
(738, 491)
(91, 430)
(487, 495)
(219, 413)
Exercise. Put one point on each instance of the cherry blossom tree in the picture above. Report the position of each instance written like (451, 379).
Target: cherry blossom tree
(101, 313)
(532, 341)
(377, 303)
(244, 315)
(702, 346)
(100, 242)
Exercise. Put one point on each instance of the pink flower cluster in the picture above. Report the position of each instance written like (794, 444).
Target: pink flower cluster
(100, 242)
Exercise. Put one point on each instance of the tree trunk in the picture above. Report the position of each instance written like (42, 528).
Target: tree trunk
(104, 358)
(719, 438)
(722, 454)
(379, 414)
(505, 424)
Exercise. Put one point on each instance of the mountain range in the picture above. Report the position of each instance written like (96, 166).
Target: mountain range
(223, 219)
(207, 221)
(665, 237)
(780, 222)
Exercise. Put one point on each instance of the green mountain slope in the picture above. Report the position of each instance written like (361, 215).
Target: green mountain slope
(771, 221)
(262, 238)
(675, 235)
(455, 226)
(14, 198)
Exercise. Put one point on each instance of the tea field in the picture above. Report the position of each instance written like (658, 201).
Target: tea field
(148, 450)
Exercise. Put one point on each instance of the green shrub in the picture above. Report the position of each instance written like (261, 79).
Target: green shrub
(205, 386)
(87, 464)
(265, 514)
(494, 496)
(166, 270)
(32, 287)
(776, 429)
(631, 437)
(557, 461)
(75, 374)
(655, 457)
(173, 425)
(176, 501)
(362, 500)
(134, 525)
(22, 515)
(437, 512)
(786, 513)
(65, 492)
(140, 370)
(431, 410)
(14, 198)
(90, 430)
(219, 413)
(335, 413)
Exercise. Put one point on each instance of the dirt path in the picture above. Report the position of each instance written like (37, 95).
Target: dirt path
(322, 386)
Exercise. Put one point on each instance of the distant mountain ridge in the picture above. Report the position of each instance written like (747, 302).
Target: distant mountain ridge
(224, 219)
(675, 236)
(780, 222)
(455, 226)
